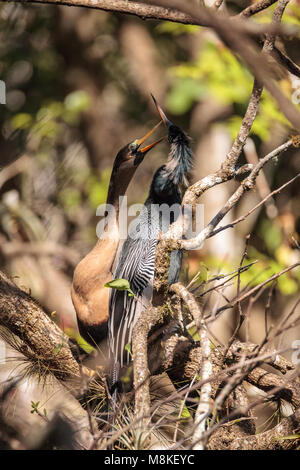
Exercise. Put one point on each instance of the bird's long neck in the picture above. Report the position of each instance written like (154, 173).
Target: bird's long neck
(172, 175)
(180, 158)
(119, 182)
(167, 181)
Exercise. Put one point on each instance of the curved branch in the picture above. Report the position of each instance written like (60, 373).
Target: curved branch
(256, 8)
(267, 381)
(25, 318)
(246, 184)
(146, 11)
(277, 438)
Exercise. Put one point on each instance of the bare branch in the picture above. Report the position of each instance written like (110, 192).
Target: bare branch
(285, 61)
(256, 8)
(144, 10)
(141, 374)
(205, 367)
(255, 289)
(206, 390)
(248, 183)
(243, 217)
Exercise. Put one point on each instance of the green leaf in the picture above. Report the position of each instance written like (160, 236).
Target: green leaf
(185, 414)
(128, 348)
(120, 284)
(84, 345)
(34, 406)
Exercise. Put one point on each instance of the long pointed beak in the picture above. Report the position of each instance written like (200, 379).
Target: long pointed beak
(149, 147)
(164, 118)
(142, 139)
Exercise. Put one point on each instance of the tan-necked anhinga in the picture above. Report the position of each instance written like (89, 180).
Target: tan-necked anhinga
(90, 297)
(137, 259)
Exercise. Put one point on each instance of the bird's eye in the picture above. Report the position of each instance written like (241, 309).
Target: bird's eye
(133, 146)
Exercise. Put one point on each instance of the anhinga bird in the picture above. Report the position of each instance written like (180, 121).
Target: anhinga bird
(90, 297)
(137, 259)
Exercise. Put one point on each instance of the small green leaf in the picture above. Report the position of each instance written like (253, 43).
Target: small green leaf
(34, 406)
(128, 348)
(120, 284)
(185, 414)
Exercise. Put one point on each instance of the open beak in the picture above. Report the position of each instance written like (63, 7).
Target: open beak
(143, 139)
(149, 147)
(164, 118)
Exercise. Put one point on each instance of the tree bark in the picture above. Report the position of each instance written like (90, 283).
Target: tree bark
(25, 318)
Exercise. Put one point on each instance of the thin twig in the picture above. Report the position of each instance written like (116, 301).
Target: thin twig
(243, 217)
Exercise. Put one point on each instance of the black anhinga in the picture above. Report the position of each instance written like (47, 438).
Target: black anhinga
(137, 259)
(89, 295)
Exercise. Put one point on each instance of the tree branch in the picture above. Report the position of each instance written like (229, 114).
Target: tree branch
(48, 344)
(273, 439)
(145, 11)
(247, 183)
(141, 374)
(256, 8)
(267, 381)
(243, 217)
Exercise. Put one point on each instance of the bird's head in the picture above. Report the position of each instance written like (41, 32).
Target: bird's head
(180, 157)
(132, 155)
(174, 132)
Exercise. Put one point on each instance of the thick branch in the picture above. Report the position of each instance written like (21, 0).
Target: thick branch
(23, 317)
(269, 440)
(145, 11)
(141, 374)
(140, 9)
(256, 8)
(266, 381)
(205, 366)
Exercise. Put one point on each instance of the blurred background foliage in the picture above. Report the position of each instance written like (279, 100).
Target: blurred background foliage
(78, 87)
